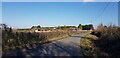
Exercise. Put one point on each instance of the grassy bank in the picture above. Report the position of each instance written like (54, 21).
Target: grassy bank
(104, 41)
(87, 45)
(40, 42)
(11, 40)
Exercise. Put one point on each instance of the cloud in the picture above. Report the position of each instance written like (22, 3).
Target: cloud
(88, 0)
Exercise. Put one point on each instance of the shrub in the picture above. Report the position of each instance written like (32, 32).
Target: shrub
(11, 39)
(109, 39)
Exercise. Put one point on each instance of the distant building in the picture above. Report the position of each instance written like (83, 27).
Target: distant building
(40, 30)
(72, 29)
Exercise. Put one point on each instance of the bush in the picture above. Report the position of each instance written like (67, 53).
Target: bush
(13, 39)
(109, 40)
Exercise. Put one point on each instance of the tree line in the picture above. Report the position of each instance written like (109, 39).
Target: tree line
(80, 26)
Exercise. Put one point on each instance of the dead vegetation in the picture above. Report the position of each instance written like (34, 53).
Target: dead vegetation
(107, 43)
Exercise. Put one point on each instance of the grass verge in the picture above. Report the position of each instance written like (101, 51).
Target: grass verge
(87, 46)
(49, 40)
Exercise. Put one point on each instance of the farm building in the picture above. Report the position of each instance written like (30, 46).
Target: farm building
(40, 30)
(72, 29)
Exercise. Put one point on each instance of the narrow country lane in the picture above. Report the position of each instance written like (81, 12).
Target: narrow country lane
(69, 46)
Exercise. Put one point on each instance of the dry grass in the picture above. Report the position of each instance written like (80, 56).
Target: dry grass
(15, 39)
(107, 43)
(87, 45)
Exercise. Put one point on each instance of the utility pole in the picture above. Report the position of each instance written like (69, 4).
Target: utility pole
(119, 14)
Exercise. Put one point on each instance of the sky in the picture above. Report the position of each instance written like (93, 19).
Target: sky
(60, 0)
(49, 14)
(0, 12)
